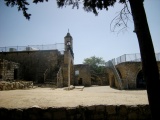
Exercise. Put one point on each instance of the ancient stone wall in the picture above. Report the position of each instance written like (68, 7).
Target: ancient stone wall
(111, 78)
(95, 112)
(68, 61)
(8, 70)
(100, 79)
(13, 85)
(37, 66)
(128, 72)
(60, 78)
(84, 76)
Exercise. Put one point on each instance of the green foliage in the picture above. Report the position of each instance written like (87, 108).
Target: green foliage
(22, 5)
(91, 5)
(88, 5)
(96, 64)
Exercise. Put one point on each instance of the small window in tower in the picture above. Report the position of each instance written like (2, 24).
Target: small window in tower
(68, 43)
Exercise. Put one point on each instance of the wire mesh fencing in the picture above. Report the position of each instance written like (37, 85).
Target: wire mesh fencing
(57, 46)
(130, 58)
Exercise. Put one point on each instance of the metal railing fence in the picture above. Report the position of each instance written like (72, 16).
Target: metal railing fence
(130, 58)
(58, 46)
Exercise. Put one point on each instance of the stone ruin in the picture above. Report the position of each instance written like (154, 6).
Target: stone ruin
(9, 76)
(12, 85)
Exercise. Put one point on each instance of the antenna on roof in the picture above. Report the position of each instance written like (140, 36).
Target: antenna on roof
(68, 30)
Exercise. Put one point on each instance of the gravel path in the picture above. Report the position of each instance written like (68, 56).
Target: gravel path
(48, 97)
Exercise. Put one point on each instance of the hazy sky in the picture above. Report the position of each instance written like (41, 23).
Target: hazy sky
(91, 34)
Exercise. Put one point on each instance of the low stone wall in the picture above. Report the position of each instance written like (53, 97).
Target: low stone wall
(96, 112)
(12, 85)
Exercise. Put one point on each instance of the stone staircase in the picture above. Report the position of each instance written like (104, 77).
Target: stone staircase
(112, 66)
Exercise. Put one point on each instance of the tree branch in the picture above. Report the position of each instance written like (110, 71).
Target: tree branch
(22, 6)
(121, 20)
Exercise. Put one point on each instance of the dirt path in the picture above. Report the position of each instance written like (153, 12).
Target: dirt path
(47, 97)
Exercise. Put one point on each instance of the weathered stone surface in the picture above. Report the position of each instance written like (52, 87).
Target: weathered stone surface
(84, 77)
(16, 114)
(123, 110)
(33, 65)
(4, 85)
(111, 109)
(91, 108)
(78, 113)
(60, 115)
(128, 72)
(133, 116)
(100, 108)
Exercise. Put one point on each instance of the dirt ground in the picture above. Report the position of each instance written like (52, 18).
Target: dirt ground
(49, 97)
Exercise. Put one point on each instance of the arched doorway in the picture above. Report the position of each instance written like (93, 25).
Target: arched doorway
(140, 82)
(80, 81)
(113, 82)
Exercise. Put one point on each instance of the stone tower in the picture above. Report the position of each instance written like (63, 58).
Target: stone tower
(68, 41)
(68, 64)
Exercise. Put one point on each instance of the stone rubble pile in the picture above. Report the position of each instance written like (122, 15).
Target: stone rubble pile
(12, 85)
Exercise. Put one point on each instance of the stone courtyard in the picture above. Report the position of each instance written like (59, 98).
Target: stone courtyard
(58, 97)
(32, 100)
(81, 103)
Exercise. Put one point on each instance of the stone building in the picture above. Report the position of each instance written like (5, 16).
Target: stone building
(42, 65)
(36, 66)
(82, 75)
(8, 70)
(127, 74)
(47, 64)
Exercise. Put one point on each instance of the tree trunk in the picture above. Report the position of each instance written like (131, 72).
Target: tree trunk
(149, 63)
